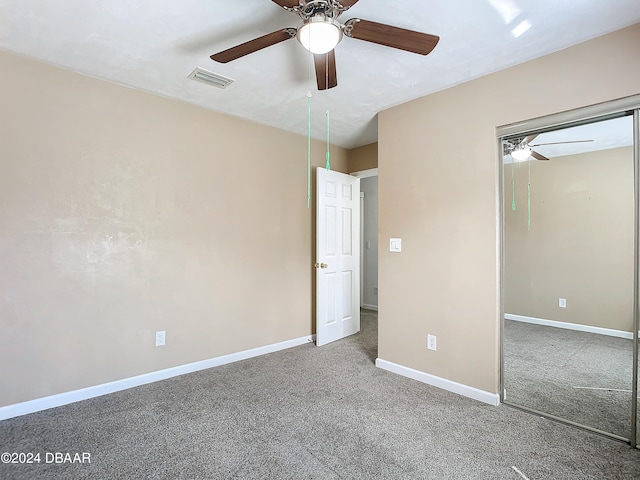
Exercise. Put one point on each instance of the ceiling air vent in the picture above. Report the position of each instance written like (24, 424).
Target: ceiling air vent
(210, 78)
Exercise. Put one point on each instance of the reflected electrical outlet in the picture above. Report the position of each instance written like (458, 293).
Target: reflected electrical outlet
(161, 338)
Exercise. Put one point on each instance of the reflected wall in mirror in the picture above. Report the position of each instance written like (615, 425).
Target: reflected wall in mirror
(569, 274)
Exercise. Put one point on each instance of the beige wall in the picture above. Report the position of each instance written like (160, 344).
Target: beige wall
(363, 158)
(580, 243)
(123, 213)
(443, 202)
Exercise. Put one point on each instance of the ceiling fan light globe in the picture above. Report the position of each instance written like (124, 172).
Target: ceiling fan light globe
(319, 34)
(520, 154)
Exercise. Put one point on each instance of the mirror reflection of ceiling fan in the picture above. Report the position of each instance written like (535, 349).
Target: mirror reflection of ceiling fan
(320, 32)
(521, 149)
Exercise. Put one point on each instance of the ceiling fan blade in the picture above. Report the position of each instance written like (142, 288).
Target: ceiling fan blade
(348, 3)
(530, 138)
(287, 3)
(254, 45)
(537, 156)
(558, 143)
(326, 76)
(389, 36)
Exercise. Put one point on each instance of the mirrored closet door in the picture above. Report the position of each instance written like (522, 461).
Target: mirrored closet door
(569, 270)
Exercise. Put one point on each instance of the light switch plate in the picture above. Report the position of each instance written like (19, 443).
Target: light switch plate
(395, 245)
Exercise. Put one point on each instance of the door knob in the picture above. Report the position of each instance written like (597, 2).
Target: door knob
(321, 265)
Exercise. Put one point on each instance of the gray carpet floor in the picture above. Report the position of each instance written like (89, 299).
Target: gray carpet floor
(582, 377)
(307, 413)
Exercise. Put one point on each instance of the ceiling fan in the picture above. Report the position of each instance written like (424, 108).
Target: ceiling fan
(320, 32)
(521, 148)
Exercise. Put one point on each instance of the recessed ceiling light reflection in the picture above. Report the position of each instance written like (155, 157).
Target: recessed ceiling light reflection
(521, 28)
(507, 9)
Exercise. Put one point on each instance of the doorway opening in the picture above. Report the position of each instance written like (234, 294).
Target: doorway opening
(369, 242)
(368, 238)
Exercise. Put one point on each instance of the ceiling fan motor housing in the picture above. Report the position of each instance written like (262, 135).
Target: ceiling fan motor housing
(328, 8)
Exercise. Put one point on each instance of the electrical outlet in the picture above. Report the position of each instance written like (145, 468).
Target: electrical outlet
(161, 338)
(431, 342)
(562, 302)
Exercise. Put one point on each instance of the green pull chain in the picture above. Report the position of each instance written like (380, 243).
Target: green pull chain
(309, 149)
(529, 205)
(328, 160)
(513, 195)
(529, 193)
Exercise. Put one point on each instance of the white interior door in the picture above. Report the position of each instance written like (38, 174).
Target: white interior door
(337, 256)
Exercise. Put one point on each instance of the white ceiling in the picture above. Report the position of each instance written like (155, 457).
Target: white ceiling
(155, 45)
(603, 135)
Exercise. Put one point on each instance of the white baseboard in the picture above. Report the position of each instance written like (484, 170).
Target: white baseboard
(459, 388)
(60, 399)
(570, 326)
(370, 307)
